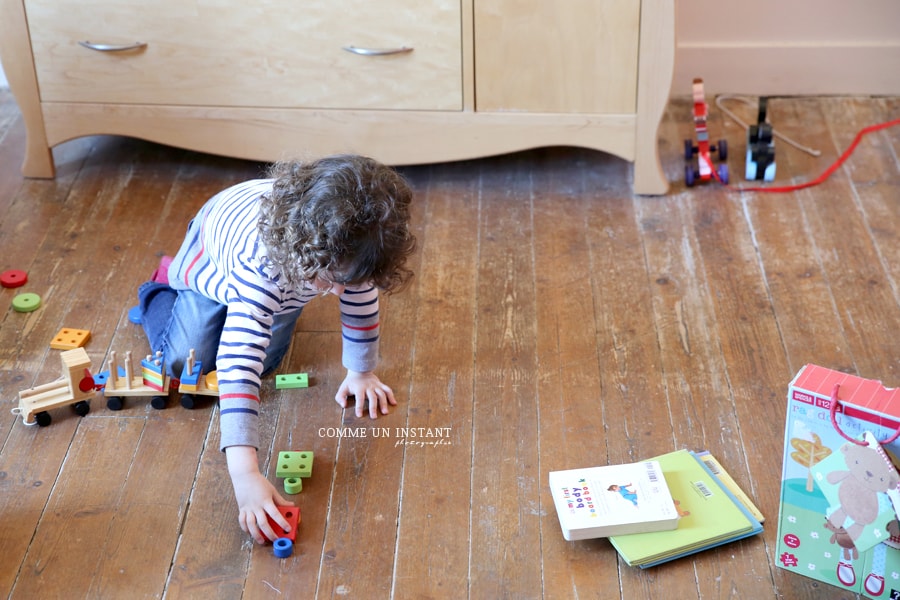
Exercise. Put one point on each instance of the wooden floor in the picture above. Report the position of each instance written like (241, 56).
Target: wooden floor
(556, 321)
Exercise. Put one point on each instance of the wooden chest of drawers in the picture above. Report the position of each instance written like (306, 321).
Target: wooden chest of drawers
(405, 81)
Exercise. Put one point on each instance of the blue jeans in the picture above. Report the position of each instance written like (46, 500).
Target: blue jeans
(177, 321)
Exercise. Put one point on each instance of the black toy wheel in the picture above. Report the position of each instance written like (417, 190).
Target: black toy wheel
(114, 403)
(43, 418)
(688, 149)
(188, 401)
(158, 402)
(723, 150)
(82, 408)
(689, 176)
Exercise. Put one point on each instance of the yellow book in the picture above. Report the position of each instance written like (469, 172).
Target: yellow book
(710, 515)
(716, 467)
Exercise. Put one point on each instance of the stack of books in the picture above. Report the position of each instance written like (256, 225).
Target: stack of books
(655, 511)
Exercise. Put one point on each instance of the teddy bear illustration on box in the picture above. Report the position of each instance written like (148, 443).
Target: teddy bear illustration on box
(839, 536)
(858, 482)
(869, 473)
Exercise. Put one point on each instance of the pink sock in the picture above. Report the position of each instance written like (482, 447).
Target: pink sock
(161, 274)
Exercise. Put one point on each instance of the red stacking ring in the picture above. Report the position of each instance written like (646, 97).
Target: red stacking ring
(13, 278)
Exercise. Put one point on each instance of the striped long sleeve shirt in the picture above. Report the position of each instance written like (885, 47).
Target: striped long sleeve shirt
(223, 259)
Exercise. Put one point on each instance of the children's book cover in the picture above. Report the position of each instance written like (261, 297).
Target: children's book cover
(710, 515)
(599, 502)
(728, 481)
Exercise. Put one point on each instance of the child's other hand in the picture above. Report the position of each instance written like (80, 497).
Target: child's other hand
(257, 499)
(366, 387)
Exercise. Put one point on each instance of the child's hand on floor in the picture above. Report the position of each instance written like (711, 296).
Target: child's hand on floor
(366, 387)
(256, 497)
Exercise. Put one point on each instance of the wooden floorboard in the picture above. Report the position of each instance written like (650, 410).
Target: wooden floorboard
(555, 321)
(432, 551)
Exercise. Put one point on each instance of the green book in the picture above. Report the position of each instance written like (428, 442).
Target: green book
(710, 515)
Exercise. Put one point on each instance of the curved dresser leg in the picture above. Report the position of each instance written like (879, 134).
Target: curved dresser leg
(655, 70)
(15, 48)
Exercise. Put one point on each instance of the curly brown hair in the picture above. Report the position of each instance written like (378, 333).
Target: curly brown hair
(341, 218)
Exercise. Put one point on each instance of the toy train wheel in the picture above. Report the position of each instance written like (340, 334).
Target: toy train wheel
(158, 402)
(114, 403)
(722, 149)
(82, 408)
(689, 149)
(43, 418)
(188, 401)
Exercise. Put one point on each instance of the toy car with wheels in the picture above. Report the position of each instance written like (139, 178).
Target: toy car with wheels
(703, 169)
(760, 162)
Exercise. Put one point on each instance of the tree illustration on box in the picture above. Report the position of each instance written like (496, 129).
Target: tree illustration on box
(808, 453)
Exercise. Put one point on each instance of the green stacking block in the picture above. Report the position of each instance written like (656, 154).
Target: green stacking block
(291, 380)
(294, 464)
(293, 485)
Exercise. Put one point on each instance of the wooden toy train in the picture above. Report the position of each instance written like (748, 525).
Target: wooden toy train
(77, 385)
(154, 382)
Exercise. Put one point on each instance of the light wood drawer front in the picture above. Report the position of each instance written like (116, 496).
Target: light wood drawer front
(536, 56)
(262, 53)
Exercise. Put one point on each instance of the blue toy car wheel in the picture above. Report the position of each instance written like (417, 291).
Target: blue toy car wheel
(689, 176)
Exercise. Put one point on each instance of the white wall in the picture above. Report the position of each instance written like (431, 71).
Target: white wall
(802, 47)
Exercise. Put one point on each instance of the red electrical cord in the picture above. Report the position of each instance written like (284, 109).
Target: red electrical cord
(825, 175)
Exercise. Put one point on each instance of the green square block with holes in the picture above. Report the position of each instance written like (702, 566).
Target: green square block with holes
(294, 464)
(291, 380)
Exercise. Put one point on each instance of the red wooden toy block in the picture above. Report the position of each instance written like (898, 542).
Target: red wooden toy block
(292, 514)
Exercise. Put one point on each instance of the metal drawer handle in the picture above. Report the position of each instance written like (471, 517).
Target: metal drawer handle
(112, 48)
(377, 51)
